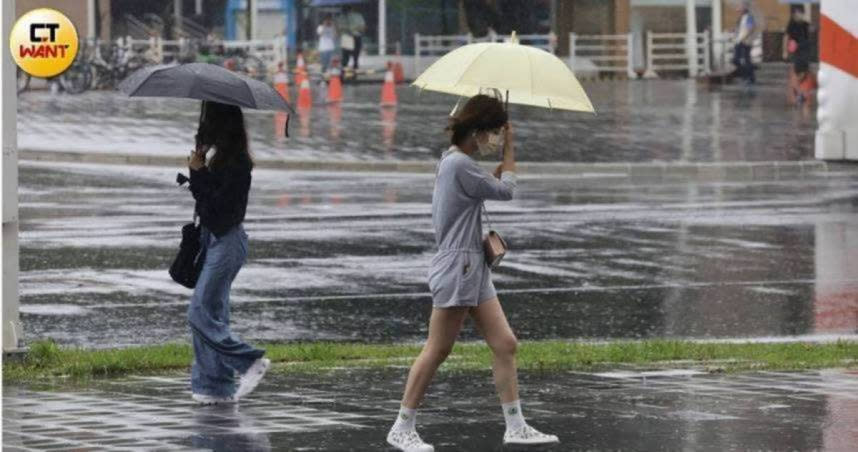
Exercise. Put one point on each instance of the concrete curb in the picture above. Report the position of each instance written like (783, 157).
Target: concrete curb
(649, 172)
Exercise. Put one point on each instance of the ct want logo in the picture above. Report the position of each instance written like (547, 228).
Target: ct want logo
(43, 42)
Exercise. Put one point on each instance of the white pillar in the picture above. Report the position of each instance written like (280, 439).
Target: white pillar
(12, 331)
(717, 36)
(254, 18)
(837, 107)
(177, 16)
(198, 7)
(382, 27)
(691, 36)
(90, 19)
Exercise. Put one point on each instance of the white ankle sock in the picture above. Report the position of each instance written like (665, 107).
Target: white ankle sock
(406, 419)
(512, 415)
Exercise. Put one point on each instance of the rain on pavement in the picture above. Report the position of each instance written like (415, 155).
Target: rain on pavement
(622, 409)
(660, 120)
(344, 256)
(608, 259)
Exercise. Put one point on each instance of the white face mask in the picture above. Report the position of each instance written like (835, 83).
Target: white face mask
(491, 145)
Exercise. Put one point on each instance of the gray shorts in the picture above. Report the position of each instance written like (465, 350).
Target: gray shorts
(460, 278)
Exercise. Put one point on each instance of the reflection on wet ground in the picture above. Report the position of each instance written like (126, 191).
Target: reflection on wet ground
(663, 120)
(344, 257)
(624, 409)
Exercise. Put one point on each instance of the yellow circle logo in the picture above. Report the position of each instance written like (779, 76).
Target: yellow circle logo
(43, 42)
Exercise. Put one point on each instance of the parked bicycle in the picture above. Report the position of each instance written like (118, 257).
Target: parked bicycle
(92, 71)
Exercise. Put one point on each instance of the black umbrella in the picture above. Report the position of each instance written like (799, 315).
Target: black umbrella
(203, 81)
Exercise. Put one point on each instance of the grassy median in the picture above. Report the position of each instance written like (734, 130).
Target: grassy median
(48, 361)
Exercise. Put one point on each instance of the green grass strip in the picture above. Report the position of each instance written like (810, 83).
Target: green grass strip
(47, 360)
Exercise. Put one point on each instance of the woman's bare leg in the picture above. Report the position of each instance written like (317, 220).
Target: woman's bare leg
(444, 327)
(492, 324)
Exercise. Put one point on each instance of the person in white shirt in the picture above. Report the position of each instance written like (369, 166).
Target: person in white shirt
(353, 27)
(327, 42)
(744, 39)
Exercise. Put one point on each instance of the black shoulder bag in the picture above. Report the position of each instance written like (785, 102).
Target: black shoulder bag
(188, 263)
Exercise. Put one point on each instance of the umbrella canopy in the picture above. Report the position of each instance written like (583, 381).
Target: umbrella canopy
(528, 75)
(204, 82)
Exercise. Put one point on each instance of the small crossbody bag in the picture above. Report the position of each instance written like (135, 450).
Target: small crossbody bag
(494, 245)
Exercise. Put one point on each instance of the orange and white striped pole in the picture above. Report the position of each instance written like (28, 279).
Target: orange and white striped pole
(837, 133)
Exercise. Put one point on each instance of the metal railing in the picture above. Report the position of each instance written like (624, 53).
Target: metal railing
(158, 51)
(614, 53)
(271, 51)
(193, 30)
(137, 28)
(436, 45)
(669, 52)
(605, 53)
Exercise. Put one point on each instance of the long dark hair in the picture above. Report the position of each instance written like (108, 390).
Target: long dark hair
(222, 127)
(480, 113)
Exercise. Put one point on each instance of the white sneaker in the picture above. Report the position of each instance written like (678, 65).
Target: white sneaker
(250, 379)
(528, 435)
(408, 441)
(211, 400)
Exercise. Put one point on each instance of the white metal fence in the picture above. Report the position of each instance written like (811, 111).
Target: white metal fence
(437, 45)
(662, 52)
(669, 52)
(157, 50)
(604, 53)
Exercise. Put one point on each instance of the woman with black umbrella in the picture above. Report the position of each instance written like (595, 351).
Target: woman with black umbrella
(220, 187)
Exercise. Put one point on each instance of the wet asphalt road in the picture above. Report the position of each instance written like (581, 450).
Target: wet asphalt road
(623, 409)
(343, 256)
(637, 121)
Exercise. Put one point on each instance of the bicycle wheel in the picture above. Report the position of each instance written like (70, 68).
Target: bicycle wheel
(23, 81)
(77, 78)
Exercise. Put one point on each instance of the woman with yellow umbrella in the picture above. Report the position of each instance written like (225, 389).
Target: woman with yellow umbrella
(460, 275)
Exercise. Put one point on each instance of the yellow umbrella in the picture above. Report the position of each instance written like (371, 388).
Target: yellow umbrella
(525, 74)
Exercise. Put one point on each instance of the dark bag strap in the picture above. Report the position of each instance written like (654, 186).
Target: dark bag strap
(486, 214)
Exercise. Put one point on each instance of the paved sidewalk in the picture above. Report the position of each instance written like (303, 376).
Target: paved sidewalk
(622, 409)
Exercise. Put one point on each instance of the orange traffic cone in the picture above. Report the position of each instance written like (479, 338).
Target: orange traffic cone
(388, 128)
(300, 70)
(335, 85)
(388, 91)
(398, 73)
(305, 98)
(281, 81)
(304, 116)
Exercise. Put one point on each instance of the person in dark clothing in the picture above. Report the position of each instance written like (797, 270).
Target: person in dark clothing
(796, 44)
(797, 37)
(220, 188)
